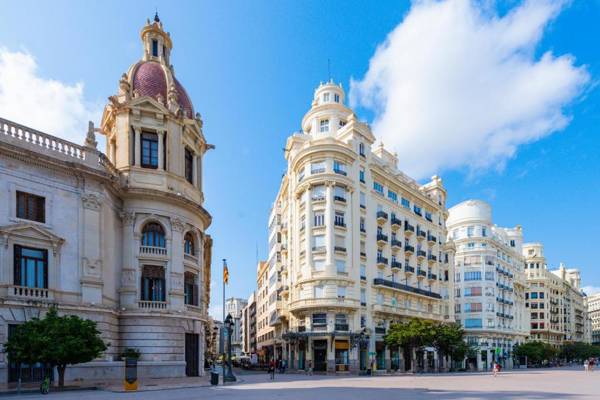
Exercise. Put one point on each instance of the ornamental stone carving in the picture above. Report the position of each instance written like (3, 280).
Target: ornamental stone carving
(177, 224)
(128, 217)
(91, 201)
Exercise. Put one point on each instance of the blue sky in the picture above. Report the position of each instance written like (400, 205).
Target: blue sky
(251, 68)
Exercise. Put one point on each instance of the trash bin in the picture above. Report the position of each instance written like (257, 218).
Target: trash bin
(214, 378)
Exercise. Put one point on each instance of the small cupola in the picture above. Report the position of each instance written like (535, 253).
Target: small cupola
(329, 93)
(157, 43)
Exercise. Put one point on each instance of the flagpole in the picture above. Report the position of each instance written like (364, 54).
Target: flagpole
(223, 325)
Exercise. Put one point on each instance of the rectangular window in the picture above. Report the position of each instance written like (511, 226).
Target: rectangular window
(336, 98)
(319, 292)
(361, 175)
(30, 267)
(361, 149)
(378, 187)
(473, 276)
(393, 196)
(325, 97)
(319, 319)
(340, 266)
(319, 219)
(339, 167)
(341, 291)
(379, 298)
(417, 210)
(339, 219)
(473, 307)
(362, 224)
(155, 48)
(317, 167)
(483, 231)
(405, 203)
(31, 207)
(470, 231)
(319, 265)
(363, 200)
(189, 165)
(149, 150)
(473, 291)
(190, 290)
(363, 271)
(428, 216)
(324, 125)
(318, 242)
(363, 296)
(473, 323)
(317, 193)
(153, 283)
(339, 193)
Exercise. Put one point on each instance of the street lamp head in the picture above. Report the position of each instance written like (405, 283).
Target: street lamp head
(228, 321)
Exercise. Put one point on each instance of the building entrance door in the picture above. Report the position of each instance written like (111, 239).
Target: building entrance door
(320, 353)
(192, 354)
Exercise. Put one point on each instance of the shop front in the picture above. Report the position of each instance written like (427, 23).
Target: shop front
(342, 359)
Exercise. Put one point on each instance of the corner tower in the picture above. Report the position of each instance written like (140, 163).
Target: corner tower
(156, 142)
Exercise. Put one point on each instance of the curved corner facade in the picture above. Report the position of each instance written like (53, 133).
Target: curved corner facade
(355, 245)
(489, 297)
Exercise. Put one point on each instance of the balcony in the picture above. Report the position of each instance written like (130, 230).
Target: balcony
(318, 249)
(396, 244)
(340, 172)
(339, 198)
(382, 261)
(340, 249)
(152, 305)
(381, 216)
(431, 239)
(363, 230)
(29, 293)
(382, 239)
(408, 228)
(396, 223)
(421, 234)
(340, 224)
(431, 258)
(342, 327)
(421, 273)
(409, 249)
(153, 251)
(327, 302)
(409, 270)
(431, 276)
(363, 254)
(396, 264)
(405, 288)
(421, 254)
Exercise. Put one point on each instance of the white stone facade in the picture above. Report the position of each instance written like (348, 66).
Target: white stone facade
(147, 290)
(354, 245)
(555, 300)
(593, 308)
(489, 295)
(234, 306)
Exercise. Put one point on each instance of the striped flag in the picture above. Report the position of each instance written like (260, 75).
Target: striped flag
(225, 273)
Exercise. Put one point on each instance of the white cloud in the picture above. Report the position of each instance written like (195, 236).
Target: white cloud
(48, 105)
(455, 85)
(589, 290)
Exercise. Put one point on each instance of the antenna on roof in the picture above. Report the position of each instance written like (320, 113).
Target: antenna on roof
(156, 19)
(328, 70)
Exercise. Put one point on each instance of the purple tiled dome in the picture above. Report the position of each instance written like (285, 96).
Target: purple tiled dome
(149, 80)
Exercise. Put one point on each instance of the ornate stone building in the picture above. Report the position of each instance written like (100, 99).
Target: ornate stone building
(555, 300)
(355, 245)
(489, 295)
(116, 238)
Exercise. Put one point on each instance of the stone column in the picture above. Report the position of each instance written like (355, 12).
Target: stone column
(489, 359)
(330, 355)
(137, 148)
(308, 222)
(354, 357)
(425, 361)
(195, 170)
(329, 229)
(130, 274)
(176, 295)
(479, 363)
(91, 258)
(161, 151)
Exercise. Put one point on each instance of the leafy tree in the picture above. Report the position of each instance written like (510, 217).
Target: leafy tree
(56, 341)
(411, 335)
(536, 351)
(448, 340)
(572, 351)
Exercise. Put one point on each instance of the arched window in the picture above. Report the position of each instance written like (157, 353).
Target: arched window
(153, 235)
(188, 244)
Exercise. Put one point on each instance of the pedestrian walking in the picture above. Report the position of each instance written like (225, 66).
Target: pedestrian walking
(586, 365)
(591, 364)
(496, 369)
(309, 370)
(272, 368)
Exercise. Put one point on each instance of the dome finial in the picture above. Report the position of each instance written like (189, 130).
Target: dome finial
(156, 19)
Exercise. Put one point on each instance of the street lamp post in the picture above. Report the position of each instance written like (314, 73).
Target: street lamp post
(228, 373)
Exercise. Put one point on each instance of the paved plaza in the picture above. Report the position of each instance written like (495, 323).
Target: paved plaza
(524, 384)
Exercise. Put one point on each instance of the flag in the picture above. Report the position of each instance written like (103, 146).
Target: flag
(225, 273)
